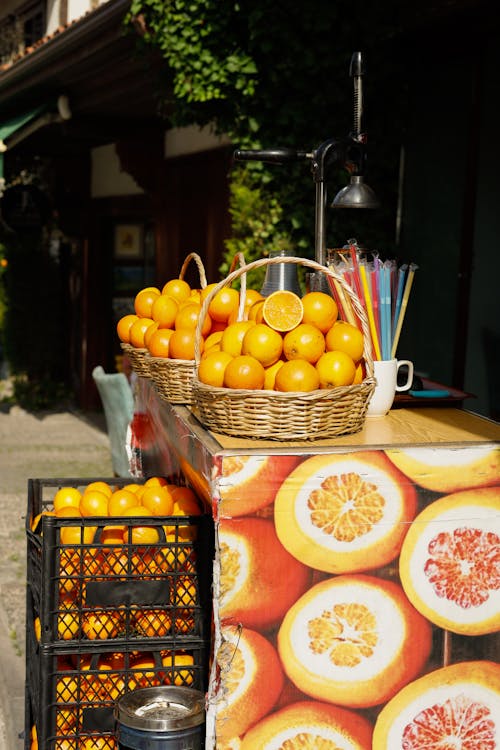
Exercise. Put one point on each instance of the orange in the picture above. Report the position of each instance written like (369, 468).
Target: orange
(99, 742)
(187, 317)
(244, 372)
(452, 707)
(141, 535)
(306, 725)
(153, 623)
(210, 350)
(79, 534)
(67, 496)
(449, 470)
(263, 343)
(212, 339)
(101, 486)
(449, 562)
(186, 502)
(232, 337)
(259, 579)
(360, 373)
(320, 310)
(101, 625)
(175, 675)
(164, 310)
(138, 330)
(123, 327)
(353, 640)
(182, 344)
(94, 503)
(206, 290)
(67, 511)
(344, 337)
(335, 369)
(297, 375)
(143, 302)
(148, 333)
(158, 500)
(282, 310)
(224, 303)
(249, 483)
(112, 535)
(158, 344)
(156, 482)
(344, 513)
(251, 297)
(68, 624)
(270, 376)
(251, 680)
(212, 368)
(304, 342)
(120, 500)
(178, 289)
(255, 311)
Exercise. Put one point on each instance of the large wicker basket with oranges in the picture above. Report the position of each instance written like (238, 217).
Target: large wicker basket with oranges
(323, 412)
(173, 377)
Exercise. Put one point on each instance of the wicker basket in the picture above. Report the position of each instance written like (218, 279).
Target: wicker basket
(274, 415)
(138, 360)
(173, 377)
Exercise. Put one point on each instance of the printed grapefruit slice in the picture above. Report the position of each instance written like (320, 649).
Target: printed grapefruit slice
(259, 579)
(310, 725)
(449, 469)
(354, 640)
(450, 562)
(250, 681)
(452, 708)
(249, 483)
(345, 513)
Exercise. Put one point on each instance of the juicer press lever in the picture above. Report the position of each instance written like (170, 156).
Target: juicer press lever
(274, 155)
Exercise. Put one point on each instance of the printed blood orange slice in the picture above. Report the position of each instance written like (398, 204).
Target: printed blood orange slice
(354, 640)
(449, 469)
(310, 725)
(259, 579)
(450, 562)
(452, 708)
(249, 483)
(345, 512)
(250, 681)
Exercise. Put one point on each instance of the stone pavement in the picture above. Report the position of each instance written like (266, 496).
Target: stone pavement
(58, 444)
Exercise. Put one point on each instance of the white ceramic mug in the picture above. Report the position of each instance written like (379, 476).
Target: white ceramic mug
(386, 375)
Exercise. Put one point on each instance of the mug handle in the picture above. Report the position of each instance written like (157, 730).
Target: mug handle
(409, 381)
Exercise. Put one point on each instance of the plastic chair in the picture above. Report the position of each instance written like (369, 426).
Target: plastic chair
(118, 403)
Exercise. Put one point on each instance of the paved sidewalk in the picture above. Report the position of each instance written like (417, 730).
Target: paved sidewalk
(59, 445)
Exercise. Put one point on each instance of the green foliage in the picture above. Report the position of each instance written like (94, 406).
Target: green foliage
(276, 75)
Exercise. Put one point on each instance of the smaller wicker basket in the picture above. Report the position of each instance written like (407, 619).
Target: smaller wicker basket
(173, 377)
(274, 415)
(138, 360)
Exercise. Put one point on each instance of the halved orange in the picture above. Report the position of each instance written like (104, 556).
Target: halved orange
(453, 707)
(310, 725)
(259, 579)
(344, 512)
(282, 310)
(250, 681)
(450, 562)
(249, 483)
(449, 469)
(353, 640)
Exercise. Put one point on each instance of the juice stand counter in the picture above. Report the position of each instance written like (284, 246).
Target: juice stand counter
(356, 581)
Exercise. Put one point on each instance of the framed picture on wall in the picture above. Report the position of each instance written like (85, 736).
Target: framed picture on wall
(129, 241)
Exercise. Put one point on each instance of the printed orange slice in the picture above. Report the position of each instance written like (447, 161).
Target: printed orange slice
(250, 681)
(310, 725)
(450, 562)
(353, 640)
(453, 708)
(344, 512)
(259, 579)
(449, 469)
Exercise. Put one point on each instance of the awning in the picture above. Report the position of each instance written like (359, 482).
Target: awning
(21, 126)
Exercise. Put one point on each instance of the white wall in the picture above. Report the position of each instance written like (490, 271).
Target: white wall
(191, 140)
(108, 178)
(76, 9)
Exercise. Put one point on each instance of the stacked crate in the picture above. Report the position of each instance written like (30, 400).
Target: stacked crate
(104, 617)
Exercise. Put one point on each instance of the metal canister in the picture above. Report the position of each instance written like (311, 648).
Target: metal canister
(161, 718)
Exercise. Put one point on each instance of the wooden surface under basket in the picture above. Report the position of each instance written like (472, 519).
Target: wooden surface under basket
(274, 415)
(173, 378)
(138, 360)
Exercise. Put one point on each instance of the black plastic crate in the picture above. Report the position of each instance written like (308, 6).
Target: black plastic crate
(94, 590)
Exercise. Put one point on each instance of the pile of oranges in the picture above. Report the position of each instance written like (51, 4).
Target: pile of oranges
(282, 342)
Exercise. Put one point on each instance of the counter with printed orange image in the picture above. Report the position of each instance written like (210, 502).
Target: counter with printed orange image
(356, 585)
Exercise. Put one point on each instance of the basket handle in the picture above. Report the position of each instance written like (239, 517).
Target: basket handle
(358, 308)
(239, 258)
(199, 265)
